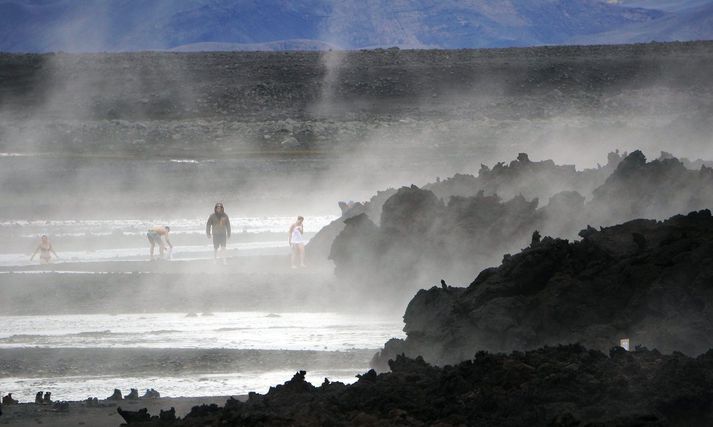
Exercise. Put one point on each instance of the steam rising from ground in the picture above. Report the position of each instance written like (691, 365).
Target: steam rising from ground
(164, 135)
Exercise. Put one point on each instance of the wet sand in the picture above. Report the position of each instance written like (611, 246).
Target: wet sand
(105, 414)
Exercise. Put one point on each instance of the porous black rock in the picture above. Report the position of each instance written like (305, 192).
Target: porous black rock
(645, 280)
(562, 385)
(134, 417)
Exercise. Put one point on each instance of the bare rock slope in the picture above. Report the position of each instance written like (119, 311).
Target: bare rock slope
(644, 280)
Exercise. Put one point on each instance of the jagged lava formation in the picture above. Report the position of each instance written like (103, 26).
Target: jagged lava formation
(454, 228)
(554, 386)
(645, 280)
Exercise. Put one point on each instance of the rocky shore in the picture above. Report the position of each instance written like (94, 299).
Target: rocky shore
(552, 386)
(644, 280)
(454, 228)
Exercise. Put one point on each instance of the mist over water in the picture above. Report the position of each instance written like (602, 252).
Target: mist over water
(273, 346)
(95, 149)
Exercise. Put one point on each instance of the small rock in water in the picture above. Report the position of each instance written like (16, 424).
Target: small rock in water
(191, 314)
(116, 396)
(133, 395)
(273, 315)
(8, 400)
(151, 394)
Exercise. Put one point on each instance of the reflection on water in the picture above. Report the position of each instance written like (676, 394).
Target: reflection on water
(260, 332)
(239, 330)
(232, 384)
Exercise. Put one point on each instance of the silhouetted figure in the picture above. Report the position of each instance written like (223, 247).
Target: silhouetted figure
(38, 398)
(218, 226)
(133, 395)
(47, 399)
(443, 284)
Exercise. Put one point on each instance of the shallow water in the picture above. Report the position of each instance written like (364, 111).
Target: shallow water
(259, 331)
(125, 239)
(220, 384)
(240, 330)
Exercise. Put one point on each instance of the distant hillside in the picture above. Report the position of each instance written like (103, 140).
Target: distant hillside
(131, 25)
(691, 23)
(280, 45)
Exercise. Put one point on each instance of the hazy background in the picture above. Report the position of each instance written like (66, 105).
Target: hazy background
(100, 139)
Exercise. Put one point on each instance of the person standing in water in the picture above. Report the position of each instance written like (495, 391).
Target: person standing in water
(45, 249)
(297, 242)
(219, 226)
(154, 235)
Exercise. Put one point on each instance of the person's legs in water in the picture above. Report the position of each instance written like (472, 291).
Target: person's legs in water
(301, 249)
(219, 242)
(222, 253)
(148, 235)
(295, 254)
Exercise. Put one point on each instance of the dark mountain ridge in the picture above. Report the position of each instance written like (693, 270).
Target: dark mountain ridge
(132, 25)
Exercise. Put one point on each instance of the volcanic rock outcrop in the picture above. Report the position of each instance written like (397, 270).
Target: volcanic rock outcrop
(533, 179)
(456, 227)
(552, 386)
(657, 189)
(644, 280)
(419, 235)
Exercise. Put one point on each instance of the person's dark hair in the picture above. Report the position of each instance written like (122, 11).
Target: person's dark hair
(167, 227)
(300, 218)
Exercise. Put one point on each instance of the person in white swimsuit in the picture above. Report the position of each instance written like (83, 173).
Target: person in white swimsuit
(297, 242)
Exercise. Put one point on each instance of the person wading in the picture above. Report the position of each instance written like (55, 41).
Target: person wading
(218, 226)
(45, 249)
(297, 242)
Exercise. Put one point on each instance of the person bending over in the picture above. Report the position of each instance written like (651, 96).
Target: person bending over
(154, 235)
(218, 226)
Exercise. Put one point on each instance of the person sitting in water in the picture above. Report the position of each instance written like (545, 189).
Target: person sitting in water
(154, 235)
(297, 242)
(45, 249)
(218, 226)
